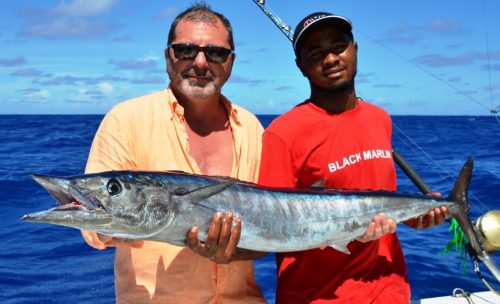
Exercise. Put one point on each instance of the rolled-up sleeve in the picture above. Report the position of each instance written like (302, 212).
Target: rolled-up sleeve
(110, 151)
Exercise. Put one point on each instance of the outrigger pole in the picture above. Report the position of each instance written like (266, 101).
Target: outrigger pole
(285, 28)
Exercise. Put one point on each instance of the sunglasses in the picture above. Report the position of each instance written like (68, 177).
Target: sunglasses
(214, 54)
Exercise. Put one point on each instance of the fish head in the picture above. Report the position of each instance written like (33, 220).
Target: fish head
(120, 204)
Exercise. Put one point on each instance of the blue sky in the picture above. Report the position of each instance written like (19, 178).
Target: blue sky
(415, 57)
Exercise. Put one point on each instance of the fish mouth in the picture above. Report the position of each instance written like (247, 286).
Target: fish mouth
(72, 204)
(66, 195)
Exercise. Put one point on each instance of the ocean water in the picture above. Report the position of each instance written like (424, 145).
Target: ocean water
(49, 264)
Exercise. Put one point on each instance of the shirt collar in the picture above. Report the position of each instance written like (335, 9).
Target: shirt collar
(178, 110)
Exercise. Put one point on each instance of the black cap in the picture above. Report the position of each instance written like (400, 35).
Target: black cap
(315, 19)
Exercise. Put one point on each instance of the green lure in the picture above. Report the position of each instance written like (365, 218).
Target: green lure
(459, 241)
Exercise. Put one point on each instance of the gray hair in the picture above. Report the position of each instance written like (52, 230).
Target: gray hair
(201, 12)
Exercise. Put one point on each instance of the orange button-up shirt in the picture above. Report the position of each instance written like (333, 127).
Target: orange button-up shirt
(148, 134)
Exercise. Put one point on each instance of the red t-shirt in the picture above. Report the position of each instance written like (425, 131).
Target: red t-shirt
(351, 150)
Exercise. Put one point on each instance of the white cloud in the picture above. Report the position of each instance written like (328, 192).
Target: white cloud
(33, 95)
(68, 28)
(84, 8)
(94, 95)
(105, 88)
(82, 95)
(70, 19)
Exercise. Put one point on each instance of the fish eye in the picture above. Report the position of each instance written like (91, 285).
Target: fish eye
(114, 187)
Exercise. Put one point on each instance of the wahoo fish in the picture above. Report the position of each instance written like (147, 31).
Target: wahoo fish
(163, 206)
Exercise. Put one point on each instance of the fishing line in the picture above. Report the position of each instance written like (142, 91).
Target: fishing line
(427, 159)
(286, 29)
(425, 70)
(412, 146)
(407, 140)
(494, 110)
(478, 272)
(410, 143)
(488, 53)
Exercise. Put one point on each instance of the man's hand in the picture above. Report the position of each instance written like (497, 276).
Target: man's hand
(222, 238)
(378, 227)
(435, 217)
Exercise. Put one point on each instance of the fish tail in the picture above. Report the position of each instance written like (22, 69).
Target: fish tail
(460, 191)
(465, 237)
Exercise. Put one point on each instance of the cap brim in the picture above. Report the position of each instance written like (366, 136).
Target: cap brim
(336, 21)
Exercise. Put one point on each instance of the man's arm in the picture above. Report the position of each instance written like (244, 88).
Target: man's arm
(100, 241)
(108, 152)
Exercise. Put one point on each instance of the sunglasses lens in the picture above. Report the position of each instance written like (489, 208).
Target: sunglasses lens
(217, 54)
(185, 51)
(213, 54)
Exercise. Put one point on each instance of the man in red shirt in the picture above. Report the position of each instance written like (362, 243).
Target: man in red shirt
(345, 142)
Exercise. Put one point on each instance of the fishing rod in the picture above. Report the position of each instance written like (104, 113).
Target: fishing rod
(492, 216)
(488, 232)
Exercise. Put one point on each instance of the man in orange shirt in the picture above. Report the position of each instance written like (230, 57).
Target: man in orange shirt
(192, 127)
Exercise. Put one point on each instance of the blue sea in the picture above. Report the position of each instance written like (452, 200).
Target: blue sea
(50, 264)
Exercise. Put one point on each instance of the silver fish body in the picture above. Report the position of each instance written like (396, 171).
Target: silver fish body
(163, 206)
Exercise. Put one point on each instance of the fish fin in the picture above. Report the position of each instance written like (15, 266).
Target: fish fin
(462, 224)
(341, 247)
(224, 179)
(197, 195)
(318, 184)
(459, 192)
(177, 172)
